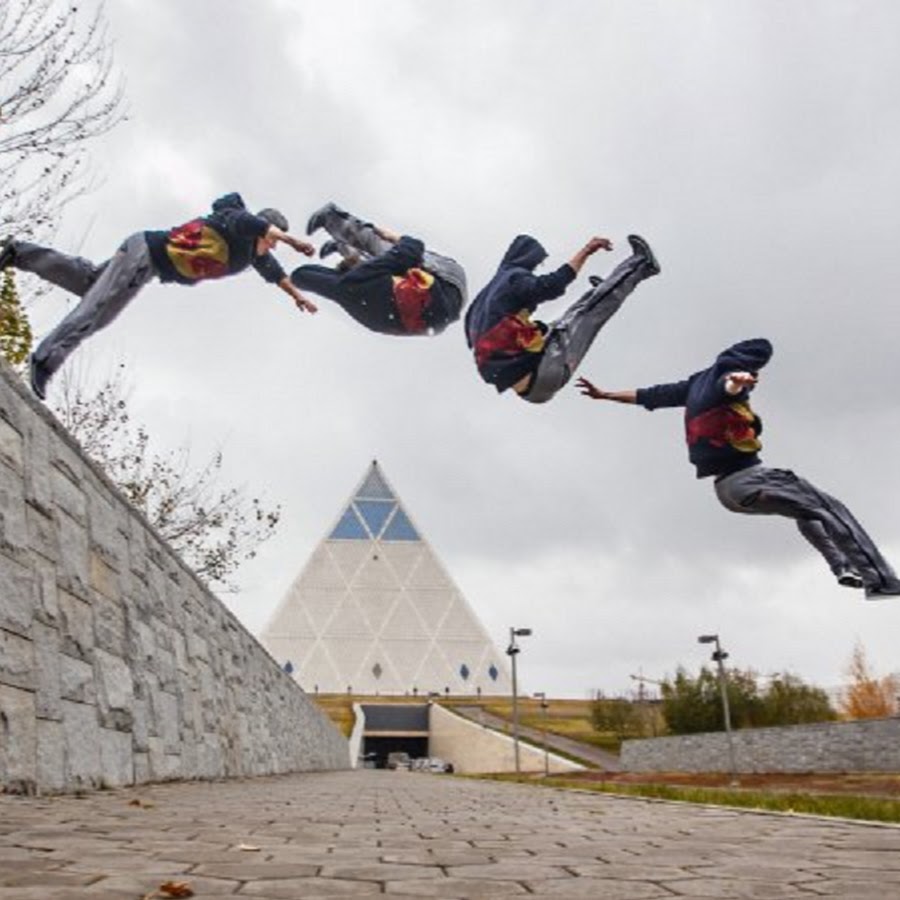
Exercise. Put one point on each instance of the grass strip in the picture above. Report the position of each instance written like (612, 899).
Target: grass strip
(852, 806)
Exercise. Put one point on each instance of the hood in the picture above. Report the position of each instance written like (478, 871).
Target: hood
(525, 252)
(749, 356)
(229, 201)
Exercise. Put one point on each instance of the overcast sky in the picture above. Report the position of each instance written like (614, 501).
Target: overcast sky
(754, 144)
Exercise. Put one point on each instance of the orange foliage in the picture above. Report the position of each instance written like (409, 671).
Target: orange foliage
(866, 696)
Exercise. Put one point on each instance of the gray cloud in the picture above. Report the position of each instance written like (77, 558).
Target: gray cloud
(753, 143)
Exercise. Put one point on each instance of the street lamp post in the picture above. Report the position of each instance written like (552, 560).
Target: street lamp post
(719, 656)
(513, 651)
(545, 704)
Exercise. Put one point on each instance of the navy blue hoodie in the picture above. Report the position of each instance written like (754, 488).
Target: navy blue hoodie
(499, 328)
(722, 430)
(222, 243)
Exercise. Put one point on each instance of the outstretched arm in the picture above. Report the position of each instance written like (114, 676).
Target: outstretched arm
(275, 235)
(589, 249)
(300, 301)
(386, 234)
(595, 393)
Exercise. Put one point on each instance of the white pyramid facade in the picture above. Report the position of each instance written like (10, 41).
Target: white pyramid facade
(373, 611)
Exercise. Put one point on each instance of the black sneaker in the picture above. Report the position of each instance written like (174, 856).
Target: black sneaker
(880, 591)
(7, 253)
(329, 248)
(38, 376)
(317, 219)
(642, 248)
(849, 578)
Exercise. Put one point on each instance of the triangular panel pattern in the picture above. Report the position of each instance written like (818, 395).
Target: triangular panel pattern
(375, 612)
(349, 527)
(375, 513)
(374, 487)
(399, 528)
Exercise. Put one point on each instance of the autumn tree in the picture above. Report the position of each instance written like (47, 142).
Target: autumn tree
(866, 696)
(213, 529)
(58, 90)
(15, 329)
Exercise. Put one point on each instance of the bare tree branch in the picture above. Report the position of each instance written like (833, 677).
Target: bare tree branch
(58, 89)
(214, 529)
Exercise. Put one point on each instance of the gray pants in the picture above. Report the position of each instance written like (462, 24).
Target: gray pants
(570, 337)
(105, 290)
(824, 521)
(358, 239)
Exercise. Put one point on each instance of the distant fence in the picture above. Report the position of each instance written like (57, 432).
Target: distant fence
(869, 745)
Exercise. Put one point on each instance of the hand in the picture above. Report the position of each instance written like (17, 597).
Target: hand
(597, 243)
(303, 247)
(735, 382)
(590, 390)
(305, 305)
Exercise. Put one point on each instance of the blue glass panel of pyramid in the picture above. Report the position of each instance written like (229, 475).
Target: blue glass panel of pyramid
(349, 528)
(464, 672)
(289, 667)
(375, 513)
(400, 528)
(374, 488)
(493, 672)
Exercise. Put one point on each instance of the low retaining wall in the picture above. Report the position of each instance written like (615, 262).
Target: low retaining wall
(117, 666)
(475, 749)
(869, 745)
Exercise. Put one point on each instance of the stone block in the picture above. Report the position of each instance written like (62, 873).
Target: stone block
(109, 625)
(11, 445)
(141, 767)
(104, 579)
(76, 680)
(116, 758)
(197, 647)
(76, 626)
(140, 725)
(16, 596)
(16, 660)
(43, 536)
(108, 525)
(50, 763)
(166, 718)
(82, 745)
(13, 524)
(68, 492)
(166, 671)
(115, 691)
(47, 671)
(73, 566)
(163, 766)
(38, 490)
(18, 739)
(46, 600)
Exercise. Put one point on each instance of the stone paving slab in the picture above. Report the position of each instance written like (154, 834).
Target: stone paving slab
(388, 834)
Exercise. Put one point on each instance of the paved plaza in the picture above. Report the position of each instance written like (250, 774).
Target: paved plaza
(401, 834)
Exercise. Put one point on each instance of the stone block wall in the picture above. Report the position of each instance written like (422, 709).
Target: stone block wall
(870, 745)
(117, 666)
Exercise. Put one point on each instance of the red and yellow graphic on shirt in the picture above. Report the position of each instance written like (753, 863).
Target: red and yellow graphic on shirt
(412, 293)
(733, 425)
(511, 336)
(198, 251)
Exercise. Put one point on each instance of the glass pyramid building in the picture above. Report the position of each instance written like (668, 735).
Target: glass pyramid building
(373, 611)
